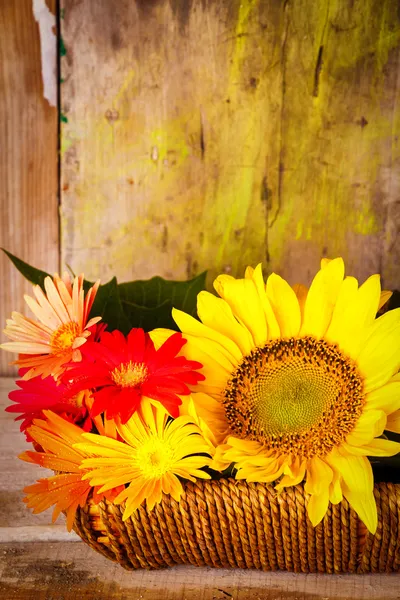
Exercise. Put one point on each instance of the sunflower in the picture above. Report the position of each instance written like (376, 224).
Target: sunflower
(66, 490)
(123, 370)
(300, 382)
(154, 452)
(48, 344)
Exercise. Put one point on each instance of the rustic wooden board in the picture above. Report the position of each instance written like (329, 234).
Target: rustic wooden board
(62, 571)
(206, 134)
(28, 157)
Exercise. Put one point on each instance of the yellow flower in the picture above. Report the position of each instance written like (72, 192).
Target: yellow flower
(301, 381)
(155, 451)
(48, 344)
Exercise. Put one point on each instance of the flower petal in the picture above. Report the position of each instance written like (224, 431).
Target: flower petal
(322, 297)
(285, 305)
(357, 486)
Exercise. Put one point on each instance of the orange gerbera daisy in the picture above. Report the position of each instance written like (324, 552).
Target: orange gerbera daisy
(66, 490)
(63, 326)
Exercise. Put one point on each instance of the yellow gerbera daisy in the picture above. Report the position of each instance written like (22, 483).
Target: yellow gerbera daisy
(155, 451)
(300, 382)
(63, 326)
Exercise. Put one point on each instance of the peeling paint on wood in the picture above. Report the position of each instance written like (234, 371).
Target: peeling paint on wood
(254, 131)
(48, 48)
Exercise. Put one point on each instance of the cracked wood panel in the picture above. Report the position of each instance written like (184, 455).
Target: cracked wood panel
(212, 135)
(28, 159)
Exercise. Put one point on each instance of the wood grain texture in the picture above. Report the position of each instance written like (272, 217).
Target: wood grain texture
(212, 135)
(28, 159)
(62, 571)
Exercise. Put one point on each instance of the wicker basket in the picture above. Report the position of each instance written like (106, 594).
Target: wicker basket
(228, 523)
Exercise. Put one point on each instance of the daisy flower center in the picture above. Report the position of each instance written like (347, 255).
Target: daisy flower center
(298, 395)
(130, 374)
(155, 458)
(64, 337)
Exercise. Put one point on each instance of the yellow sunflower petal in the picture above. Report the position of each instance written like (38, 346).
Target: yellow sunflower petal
(386, 398)
(335, 490)
(219, 461)
(317, 506)
(293, 474)
(379, 358)
(377, 447)
(285, 305)
(222, 346)
(242, 297)
(346, 300)
(321, 298)
(371, 424)
(393, 422)
(319, 476)
(256, 276)
(212, 413)
(301, 292)
(357, 486)
(216, 314)
(359, 314)
(263, 475)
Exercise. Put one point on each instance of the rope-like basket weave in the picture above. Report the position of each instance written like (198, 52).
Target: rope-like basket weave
(230, 523)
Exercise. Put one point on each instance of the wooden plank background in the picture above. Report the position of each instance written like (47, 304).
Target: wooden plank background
(202, 135)
(205, 134)
(28, 159)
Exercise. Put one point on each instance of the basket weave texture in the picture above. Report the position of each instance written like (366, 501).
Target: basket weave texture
(229, 523)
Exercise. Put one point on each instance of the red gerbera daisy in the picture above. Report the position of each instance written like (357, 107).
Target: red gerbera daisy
(121, 370)
(39, 394)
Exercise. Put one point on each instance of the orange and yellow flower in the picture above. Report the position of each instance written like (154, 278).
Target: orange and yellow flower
(48, 344)
(66, 490)
(154, 453)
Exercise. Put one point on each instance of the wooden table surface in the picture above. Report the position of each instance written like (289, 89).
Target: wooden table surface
(41, 561)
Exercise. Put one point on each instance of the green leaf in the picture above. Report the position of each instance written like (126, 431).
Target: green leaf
(107, 305)
(143, 303)
(35, 276)
(138, 297)
(150, 317)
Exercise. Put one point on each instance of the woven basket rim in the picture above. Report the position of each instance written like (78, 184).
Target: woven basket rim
(232, 523)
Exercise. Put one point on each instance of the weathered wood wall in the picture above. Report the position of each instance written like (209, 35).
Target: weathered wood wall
(202, 134)
(212, 134)
(28, 156)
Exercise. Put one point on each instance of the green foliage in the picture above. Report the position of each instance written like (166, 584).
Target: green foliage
(107, 305)
(35, 276)
(147, 304)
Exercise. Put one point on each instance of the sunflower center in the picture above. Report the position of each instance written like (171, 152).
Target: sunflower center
(130, 374)
(64, 337)
(299, 395)
(155, 457)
